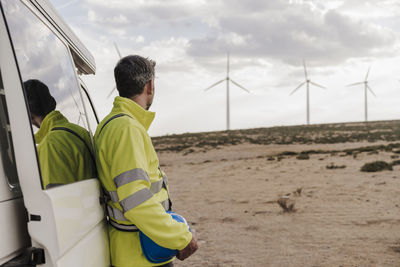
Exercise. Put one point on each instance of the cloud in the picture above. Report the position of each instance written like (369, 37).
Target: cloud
(92, 16)
(319, 31)
(137, 39)
(67, 4)
(142, 13)
(293, 33)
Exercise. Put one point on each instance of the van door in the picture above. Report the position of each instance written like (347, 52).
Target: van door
(66, 222)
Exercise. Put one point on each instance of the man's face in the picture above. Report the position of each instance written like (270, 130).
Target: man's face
(35, 120)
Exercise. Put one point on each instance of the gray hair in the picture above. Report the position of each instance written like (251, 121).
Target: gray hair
(132, 73)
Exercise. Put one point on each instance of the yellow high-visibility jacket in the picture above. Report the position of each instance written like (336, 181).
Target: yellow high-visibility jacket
(65, 151)
(129, 170)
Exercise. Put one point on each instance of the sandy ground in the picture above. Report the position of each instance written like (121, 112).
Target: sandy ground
(344, 217)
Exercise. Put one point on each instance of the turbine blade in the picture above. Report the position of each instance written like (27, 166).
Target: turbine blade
(112, 91)
(320, 86)
(238, 85)
(297, 88)
(305, 69)
(211, 86)
(116, 48)
(366, 76)
(352, 84)
(369, 88)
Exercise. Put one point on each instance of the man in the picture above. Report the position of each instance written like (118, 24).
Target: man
(64, 149)
(129, 170)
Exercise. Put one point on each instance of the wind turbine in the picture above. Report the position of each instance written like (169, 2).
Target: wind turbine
(227, 79)
(307, 82)
(119, 54)
(366, 88)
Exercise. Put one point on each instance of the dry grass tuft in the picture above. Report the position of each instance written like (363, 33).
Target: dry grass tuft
(396, 248)
(297, 192)
(286, 203)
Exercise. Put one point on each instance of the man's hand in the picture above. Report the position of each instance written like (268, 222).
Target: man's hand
(189, 249)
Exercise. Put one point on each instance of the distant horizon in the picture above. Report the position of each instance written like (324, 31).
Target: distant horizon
(279, 126)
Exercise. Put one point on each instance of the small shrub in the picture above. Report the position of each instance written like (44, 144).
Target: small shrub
(396, 162)
(309, 152)
(288, 153)
(270, 158)
(303, 156)
(188, 151)
(376, 166)
(286, 204)
(332, 166)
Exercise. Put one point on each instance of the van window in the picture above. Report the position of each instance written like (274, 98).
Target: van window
(42, 56)
(63, 143)
(6, 146)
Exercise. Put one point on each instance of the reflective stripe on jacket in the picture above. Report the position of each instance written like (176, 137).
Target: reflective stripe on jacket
(64, 150)
(128, 168)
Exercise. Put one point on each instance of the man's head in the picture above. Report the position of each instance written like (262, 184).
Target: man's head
(40, 101)
(134, 76)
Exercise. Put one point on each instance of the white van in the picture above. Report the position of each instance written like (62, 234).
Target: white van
(65, 225)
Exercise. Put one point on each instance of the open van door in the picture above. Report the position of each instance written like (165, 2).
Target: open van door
(66, 223)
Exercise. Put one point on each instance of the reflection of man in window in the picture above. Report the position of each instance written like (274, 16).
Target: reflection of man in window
(64, 149)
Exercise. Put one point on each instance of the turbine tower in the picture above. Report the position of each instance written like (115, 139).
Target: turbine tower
(366, 88)
(307, 82)
(119, 54)
(227, 79)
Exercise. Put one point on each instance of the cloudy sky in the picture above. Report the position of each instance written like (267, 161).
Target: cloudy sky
(267, 41)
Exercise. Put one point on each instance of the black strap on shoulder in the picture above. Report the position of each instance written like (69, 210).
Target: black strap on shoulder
(77, 135)
(122, 227)
(105, 198)
(110, 119)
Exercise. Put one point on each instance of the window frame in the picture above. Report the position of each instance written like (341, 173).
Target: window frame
(86, 94)
(10, 174)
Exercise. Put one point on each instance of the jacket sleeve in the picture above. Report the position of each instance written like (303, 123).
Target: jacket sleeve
(129, 168)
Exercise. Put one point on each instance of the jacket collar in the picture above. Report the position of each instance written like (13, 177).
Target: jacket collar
(50, 121)
(131, 108)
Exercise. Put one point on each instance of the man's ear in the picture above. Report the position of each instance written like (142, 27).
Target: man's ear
(150, 87)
